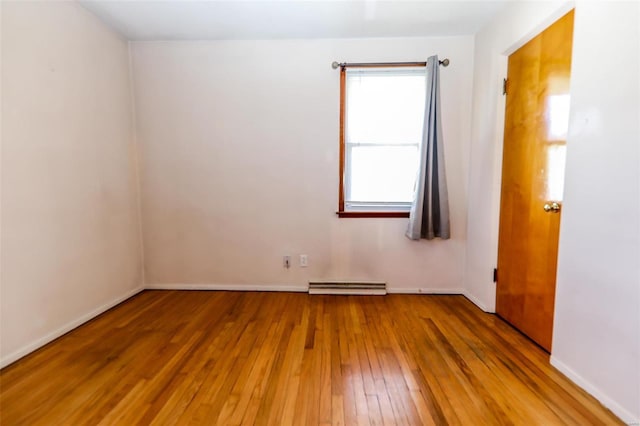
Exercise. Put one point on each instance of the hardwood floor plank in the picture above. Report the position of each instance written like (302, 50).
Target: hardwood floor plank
(337, 410)
(233, 358)
(489, 374)
(324, 409)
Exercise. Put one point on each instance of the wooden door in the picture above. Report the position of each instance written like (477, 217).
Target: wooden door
(536, 121)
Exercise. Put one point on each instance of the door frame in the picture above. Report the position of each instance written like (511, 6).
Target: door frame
(501, 60)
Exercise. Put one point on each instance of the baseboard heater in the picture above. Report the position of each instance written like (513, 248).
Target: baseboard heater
(348, 287)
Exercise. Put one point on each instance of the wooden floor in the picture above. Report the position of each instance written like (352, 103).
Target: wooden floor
(227, 358)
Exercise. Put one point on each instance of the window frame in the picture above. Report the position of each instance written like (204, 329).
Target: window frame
(342, 213)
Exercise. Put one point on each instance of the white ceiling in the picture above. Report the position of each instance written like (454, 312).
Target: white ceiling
(267, 19)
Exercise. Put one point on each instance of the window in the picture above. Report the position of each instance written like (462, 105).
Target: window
(382, 112)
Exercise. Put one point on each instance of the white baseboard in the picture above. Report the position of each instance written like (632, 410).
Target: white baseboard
(476, 302)
(26, 350)
(286, 288)
(422, 290)
(624, 415)
(228, 287)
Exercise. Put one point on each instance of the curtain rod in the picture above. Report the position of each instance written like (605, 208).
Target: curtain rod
(336, 65)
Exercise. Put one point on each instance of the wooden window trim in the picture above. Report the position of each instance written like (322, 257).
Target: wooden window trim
(343, 83)
(371, 214)
(341, 211)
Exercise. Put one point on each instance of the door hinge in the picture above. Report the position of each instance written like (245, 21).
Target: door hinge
(504, 86)
(495, 275)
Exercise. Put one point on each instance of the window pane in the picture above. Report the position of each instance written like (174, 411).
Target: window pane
(382, 173)
(385, 107)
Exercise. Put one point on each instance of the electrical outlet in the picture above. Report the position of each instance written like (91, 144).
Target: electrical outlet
(286, 261)
(304, 261)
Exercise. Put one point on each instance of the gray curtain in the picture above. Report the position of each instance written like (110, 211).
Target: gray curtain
(429, 217)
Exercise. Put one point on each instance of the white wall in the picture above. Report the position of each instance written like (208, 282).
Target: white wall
(239, 143)
(597, 317)
(596, 338)
(70, 228)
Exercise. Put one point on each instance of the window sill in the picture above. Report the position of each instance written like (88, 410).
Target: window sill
(353, 214)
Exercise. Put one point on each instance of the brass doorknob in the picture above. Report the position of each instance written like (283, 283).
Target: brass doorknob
(552, 207)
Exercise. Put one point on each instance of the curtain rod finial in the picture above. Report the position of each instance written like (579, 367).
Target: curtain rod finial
(335, 65)
(445, 62)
